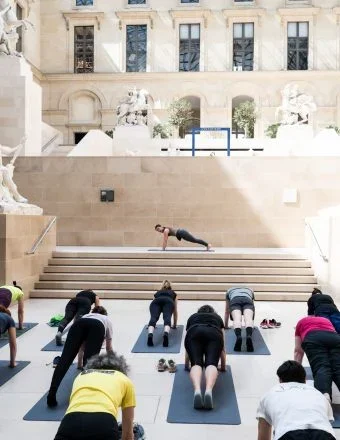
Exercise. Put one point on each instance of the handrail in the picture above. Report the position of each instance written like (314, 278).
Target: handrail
(322, 255)
(49, 142)
(41, 237)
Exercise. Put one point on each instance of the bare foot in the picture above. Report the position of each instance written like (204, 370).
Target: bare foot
(209, 247)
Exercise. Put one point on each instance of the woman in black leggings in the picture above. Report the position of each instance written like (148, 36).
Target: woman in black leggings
(85, 336)
(179, 234)
(165, 302)
(204, 345)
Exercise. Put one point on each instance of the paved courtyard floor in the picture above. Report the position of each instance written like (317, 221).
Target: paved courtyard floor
(253, 375)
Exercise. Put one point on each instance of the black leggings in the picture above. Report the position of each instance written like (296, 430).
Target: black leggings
(158, 306)
(75, 309)
(323, 352)
(204, 345)
(307, 434)
(89, 331)
(88, 426)
(185, 235)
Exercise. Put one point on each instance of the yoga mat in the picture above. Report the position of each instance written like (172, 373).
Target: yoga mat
(260, 347)
(41, 412)
(6, 373)
(335, 406)
(181, 250)
(28, 326)
(175, 340)
(51, 346)
(225, 410)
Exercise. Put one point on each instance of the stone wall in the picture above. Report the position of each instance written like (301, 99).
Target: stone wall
(18, 233)
(235, 202)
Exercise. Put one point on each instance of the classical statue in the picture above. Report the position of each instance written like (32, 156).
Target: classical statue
(8, 25)
(296, 106)
(133, 109)
(11, 201)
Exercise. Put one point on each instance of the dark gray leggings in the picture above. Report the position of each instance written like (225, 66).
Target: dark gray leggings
(185, 235)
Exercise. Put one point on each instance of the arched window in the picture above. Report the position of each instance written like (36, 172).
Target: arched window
(237, 131)
(195, 103)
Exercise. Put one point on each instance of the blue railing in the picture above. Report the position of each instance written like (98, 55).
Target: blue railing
(197, 130)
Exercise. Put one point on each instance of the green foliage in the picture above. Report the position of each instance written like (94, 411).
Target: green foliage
(245, 117)
(337, 129)
(162, 130)
(109, 133)
(271, 131)
(180, 114)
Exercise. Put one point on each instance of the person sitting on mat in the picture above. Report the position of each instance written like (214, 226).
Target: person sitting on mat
(165, 302)
(7, 324)
(320, 304)
(75, 309)
(97, 394)
(240, 302)
(317, 337)
(86, 336)
(295, 410)
(204, 345)
(179, 234)
(11, 294)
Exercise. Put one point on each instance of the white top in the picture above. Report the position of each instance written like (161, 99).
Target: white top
(292, 406)
(104, 320)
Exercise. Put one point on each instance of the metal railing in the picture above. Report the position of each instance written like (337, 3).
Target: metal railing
(45, 149)
(322, 255)
(41, 237)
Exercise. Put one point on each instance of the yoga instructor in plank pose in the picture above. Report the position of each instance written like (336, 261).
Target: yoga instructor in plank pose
(180, 234)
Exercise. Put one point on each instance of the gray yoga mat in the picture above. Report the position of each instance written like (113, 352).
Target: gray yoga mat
(52, 346)
(181, 250)
(175, 340)
(260, 347)
(6, 373)
(225, 410)
(42, 413)
(335, 406)
(27, 326)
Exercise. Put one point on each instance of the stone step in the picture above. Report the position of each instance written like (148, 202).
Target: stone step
(178, 255)
(176, 262)
(153, 286)
(168, 271)
(183, 295)
(178, 278)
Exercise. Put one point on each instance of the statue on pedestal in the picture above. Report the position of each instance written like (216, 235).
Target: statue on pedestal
(296, 106)
(133, 110)
(11, 201)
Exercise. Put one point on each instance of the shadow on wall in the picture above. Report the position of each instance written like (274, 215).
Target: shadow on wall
(235, 202)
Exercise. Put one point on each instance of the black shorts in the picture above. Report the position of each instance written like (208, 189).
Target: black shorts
(241, 303)
(307, 434)
(204, 345)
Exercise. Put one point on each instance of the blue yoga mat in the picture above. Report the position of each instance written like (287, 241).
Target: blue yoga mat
(181, 250)
(6, 373)
(225, 410)
(260, 347)
(52, 346)
(335, 407)
(175, 340)
(41, 412)
(27, 326)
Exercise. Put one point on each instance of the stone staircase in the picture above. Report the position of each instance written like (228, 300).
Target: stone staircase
(274, 276)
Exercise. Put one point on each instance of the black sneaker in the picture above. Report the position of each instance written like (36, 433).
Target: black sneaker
(238, 344)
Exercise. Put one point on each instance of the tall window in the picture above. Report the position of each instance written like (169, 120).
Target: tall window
(243, 46)
(136, 42)
(136, 2)
(298, 45)
(189, 47)
(84, 2)
(83, 49)
(19, 12)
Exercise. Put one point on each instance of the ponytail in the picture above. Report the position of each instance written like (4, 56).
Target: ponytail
(15, 285)
(4, 310)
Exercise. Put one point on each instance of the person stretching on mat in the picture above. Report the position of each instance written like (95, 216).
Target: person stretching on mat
(204, 345)
(165, 302)
(179, 234)
(75, 309)
(240, 301)
(293, 409)
(320, 304)
(11, 294)
(7, 324)
(97, 394)
(86, 336)
(317, 337)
